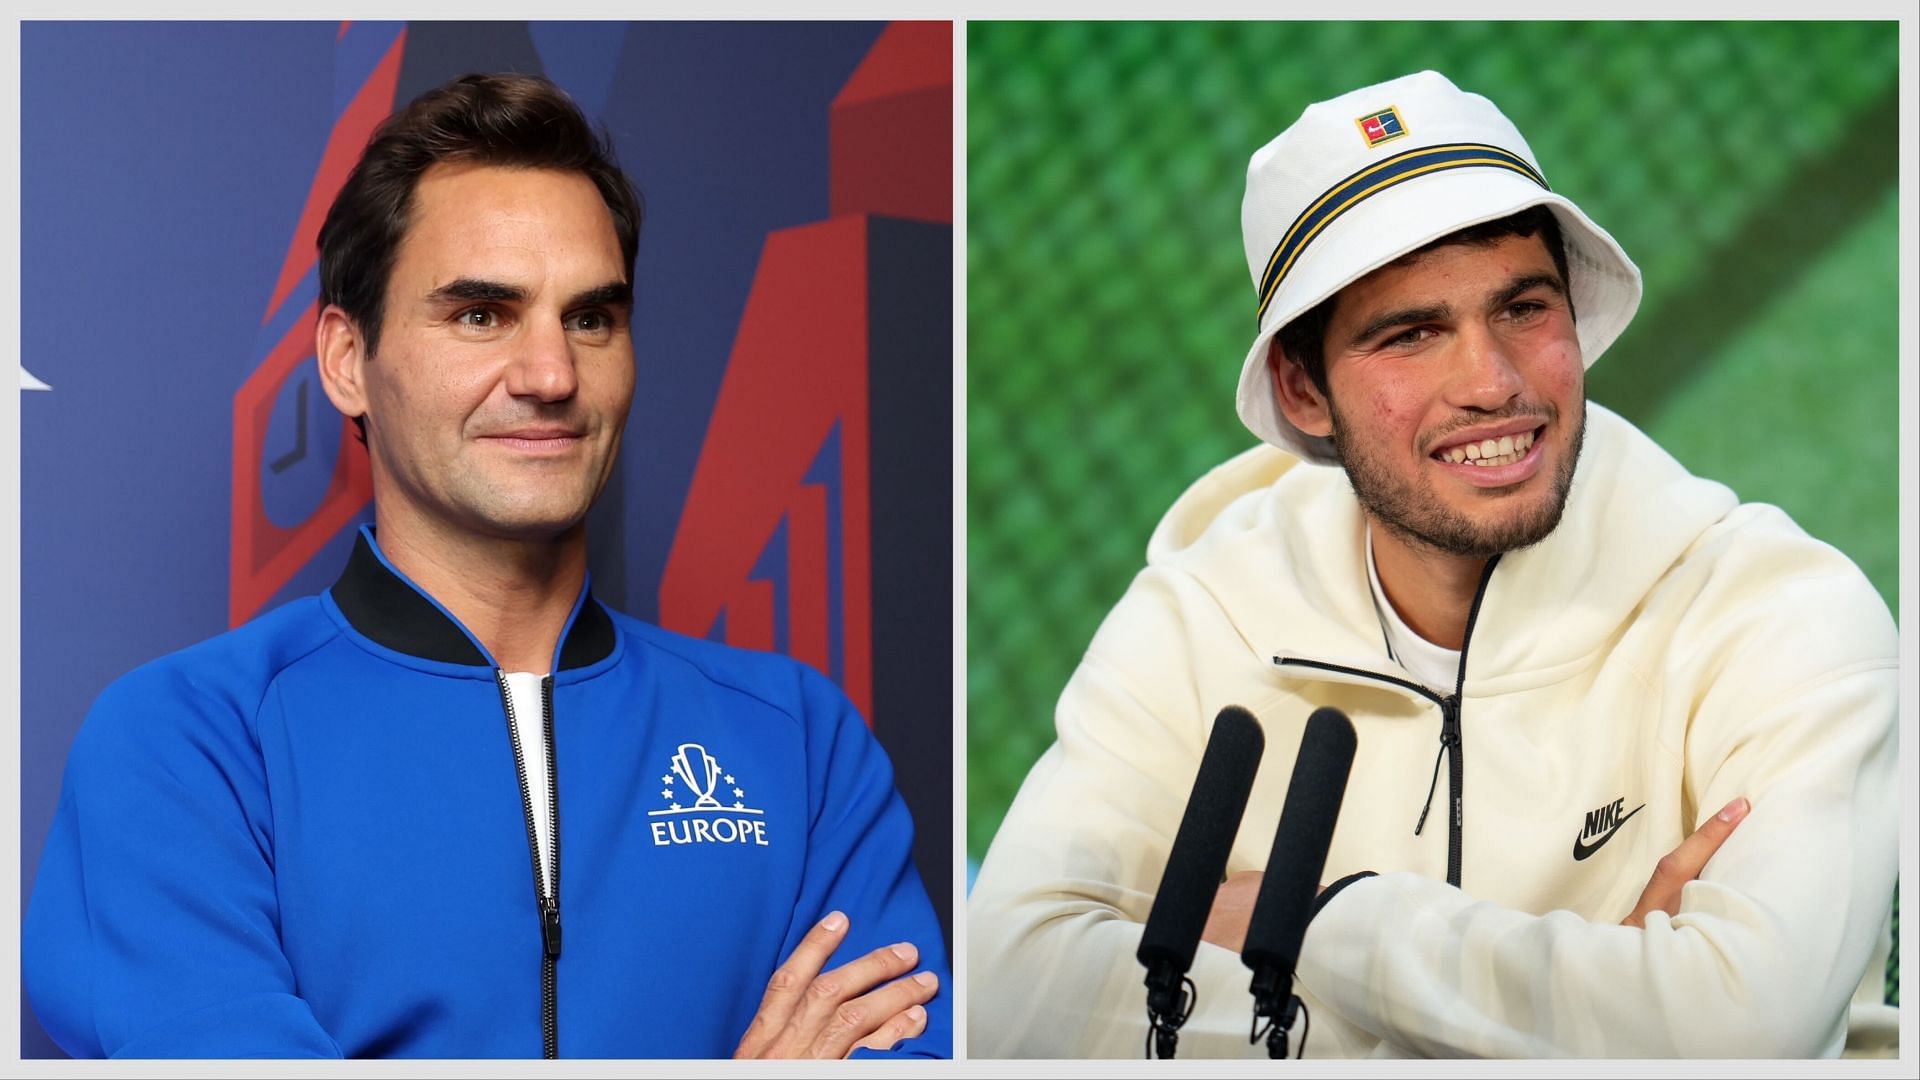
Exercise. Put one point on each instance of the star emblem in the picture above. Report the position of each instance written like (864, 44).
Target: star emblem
(738, 805)
(738, 794)
(730, 779)
(673, 806)
(666, 793)
(667, 779)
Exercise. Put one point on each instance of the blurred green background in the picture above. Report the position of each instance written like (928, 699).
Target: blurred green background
(1749, 168)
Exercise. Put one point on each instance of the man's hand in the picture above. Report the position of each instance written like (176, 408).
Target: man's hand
(1684, 863)
(1232, 910)
(806, 1014)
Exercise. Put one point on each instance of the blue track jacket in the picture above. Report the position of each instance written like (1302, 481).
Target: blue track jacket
(309, 838)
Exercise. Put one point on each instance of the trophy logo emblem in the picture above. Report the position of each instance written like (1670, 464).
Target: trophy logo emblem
(699, 770)
(693, 814)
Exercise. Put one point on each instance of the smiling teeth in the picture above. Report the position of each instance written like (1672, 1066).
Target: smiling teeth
(1504, 450)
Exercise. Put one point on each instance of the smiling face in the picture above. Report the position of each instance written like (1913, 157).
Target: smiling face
(1455, 395)
(497, 399)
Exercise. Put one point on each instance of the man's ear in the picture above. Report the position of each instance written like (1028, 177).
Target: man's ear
(341, 353)
(1301, 402)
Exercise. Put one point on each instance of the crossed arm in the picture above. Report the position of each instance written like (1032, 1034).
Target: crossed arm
(1233, 904)
(1757, 936)
(155, 927)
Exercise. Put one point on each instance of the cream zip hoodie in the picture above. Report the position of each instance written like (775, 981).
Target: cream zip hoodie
(1664, 651)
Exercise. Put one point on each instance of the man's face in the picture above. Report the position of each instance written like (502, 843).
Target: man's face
(1456, 395)
(505, 370)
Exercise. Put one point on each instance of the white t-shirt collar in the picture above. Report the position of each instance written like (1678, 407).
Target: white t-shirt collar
(1436, 666)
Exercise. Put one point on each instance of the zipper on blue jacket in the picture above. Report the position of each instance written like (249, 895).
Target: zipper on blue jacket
(1449, 729)
(546, 889)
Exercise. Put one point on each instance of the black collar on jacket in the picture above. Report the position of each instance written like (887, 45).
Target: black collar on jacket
(392, 612)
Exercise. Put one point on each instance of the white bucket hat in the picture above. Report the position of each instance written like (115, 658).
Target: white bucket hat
(1369, 176)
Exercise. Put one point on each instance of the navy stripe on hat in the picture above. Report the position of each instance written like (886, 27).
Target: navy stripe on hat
(1376, 177)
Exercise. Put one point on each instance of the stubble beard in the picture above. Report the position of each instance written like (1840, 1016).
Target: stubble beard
(1412, 512)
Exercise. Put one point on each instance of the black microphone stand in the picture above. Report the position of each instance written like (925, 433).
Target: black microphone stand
(1196, 864)
(1275, 1001)
(1278, 925)
(1170, 999)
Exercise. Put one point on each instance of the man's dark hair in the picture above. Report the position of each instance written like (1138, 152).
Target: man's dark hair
(1304, 339)
(519, 121)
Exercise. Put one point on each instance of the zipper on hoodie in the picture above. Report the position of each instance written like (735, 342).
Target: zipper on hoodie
(1450, 744)
(546, 888)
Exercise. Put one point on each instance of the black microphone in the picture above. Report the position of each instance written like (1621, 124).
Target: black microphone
(1194, 868)
(1280, 912)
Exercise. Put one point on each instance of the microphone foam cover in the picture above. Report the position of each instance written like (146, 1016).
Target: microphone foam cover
(1299, 855)
(1200, 849)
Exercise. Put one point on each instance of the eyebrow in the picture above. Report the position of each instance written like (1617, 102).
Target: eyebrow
(1402, 317)
(1514, 289)
(467, 289)
(614, 294)
(1523, 285)
(470, 290)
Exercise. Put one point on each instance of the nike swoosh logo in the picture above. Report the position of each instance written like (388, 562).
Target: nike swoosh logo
(1581, 851)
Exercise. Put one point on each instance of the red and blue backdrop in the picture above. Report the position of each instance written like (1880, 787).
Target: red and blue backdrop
(785, 482)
